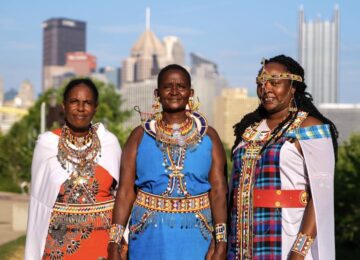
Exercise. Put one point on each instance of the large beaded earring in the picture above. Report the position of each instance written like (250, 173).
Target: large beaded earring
(292, 105)
(156, 107)
(156, 104)
(193, 105)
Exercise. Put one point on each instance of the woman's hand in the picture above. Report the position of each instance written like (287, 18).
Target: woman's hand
(113, 252)
(216, 252)
(211, 250)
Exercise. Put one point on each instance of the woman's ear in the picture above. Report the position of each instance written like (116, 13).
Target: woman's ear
(156, 93)
(293, 90)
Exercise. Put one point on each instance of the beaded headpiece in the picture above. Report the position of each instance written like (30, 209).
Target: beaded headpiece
(264, 76)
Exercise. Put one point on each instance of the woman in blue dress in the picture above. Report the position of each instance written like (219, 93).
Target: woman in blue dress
(172, 182)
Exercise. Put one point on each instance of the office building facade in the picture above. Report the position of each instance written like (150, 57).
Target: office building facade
(319, 55)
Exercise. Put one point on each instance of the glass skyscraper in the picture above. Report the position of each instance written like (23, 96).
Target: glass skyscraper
(319, 55)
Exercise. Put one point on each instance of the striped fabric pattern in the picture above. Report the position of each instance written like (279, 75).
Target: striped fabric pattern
(267, 221)
(311, 132)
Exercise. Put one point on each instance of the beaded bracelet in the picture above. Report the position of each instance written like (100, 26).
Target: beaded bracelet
(116, 234)
(302, 244)
(220, 233)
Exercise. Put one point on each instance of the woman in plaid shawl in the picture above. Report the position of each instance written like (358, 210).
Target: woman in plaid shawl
(281, 200)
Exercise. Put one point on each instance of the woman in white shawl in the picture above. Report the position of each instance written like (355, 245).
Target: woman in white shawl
(74, 171)
(281, 203)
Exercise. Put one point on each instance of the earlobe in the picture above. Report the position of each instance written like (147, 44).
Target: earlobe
(293, 90)
(156, 92)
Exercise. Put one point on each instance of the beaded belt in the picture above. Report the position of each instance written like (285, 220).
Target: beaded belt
(172, 204)
(63, 208)
(280, 198)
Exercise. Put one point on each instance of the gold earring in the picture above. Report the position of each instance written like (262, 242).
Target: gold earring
(292, 105)
(156, 108)
(193, 106)
(156, 104)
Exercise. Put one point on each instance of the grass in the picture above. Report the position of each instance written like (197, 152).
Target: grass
(13, 250)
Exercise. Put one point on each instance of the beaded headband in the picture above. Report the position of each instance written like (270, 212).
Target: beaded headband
(263, 77)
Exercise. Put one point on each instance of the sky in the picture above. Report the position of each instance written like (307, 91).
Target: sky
(234, 34)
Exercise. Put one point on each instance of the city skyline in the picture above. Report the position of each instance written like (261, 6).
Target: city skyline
(234, 35)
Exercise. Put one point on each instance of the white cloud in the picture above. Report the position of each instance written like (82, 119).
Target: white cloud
(282, 28)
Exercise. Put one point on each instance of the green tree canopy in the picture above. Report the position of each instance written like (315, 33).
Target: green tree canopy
(347, 198)
(16, 147)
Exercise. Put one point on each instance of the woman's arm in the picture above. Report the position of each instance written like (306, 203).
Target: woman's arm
(308, 224)
(218, 192)
(126, 193)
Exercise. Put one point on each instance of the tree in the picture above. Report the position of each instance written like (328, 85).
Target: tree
(347, 197)
(16, 147)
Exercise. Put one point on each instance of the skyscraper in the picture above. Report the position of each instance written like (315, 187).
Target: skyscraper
(60, 36)
(319, 55)
(139, 71)
(207, 83)
(149, 54)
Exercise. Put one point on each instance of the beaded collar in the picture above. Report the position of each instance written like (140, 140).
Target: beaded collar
(197, 121)
(78, 153)
(252, 133)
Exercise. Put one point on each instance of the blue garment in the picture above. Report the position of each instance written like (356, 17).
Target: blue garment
(170, 235)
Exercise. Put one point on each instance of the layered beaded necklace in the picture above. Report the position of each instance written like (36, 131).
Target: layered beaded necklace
(183, 134)
(79, 155)
(173, 141)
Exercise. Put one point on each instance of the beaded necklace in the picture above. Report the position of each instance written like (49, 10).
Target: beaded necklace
(79, 155)
(78, 152)
(173, 141)
(184, 134)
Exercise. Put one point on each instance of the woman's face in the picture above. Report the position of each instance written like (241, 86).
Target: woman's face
(174, 91)
(275, 94)
(79, 108)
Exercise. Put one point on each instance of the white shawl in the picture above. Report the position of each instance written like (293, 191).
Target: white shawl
(320, 164)
(47, 176)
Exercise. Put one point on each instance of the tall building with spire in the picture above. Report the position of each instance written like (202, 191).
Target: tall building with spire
(319, 55)
(149, 54)
(139, 71)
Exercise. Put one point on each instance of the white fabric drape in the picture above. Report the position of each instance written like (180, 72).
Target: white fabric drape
(47, 176)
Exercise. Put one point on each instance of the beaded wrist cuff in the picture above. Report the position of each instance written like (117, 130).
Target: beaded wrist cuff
(220, 233)
(116, 234)
(302, 244)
